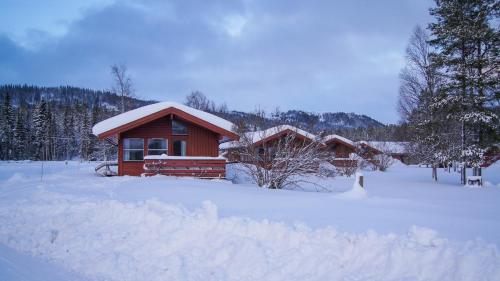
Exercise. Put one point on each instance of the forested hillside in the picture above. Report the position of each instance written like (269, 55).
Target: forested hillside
(54, 123)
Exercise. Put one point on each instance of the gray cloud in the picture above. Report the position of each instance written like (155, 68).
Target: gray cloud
(312, 55)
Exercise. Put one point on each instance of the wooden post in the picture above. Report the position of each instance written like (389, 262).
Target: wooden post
(361, 181)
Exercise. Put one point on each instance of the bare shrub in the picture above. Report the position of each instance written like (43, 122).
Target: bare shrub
(282, 162)
(383, 160)
(350, 166)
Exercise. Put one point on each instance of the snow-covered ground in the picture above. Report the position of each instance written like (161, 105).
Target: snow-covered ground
(73, 225)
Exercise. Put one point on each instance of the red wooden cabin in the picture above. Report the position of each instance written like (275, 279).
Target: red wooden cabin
(167, 138)
(264, 141)
(340, 150)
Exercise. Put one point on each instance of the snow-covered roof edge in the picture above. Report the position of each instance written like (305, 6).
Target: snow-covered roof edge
(258, 136)
(141, 112)
(261, 135)
(337, 137)
(388, 146)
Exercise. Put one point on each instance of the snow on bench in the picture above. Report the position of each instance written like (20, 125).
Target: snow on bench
(474, 180)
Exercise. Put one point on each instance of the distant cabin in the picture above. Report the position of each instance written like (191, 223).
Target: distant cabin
(167, 138)
(263, 142)
(339, 148)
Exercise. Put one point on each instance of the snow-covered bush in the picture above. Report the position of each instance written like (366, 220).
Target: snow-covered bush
(384, 161)
(350, 165)
(280, 163)
(327, 170)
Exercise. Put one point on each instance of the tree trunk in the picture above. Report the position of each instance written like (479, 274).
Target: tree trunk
(434, 173)
(463, 174)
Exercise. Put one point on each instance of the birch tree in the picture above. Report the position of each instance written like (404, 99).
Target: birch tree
(122, 84)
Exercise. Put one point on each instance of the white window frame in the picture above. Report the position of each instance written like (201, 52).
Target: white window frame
(155, 149)
(133, 149)
(181, 123)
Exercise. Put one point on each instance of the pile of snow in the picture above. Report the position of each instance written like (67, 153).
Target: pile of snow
(357, 191)
(152, 240)
(138, 113)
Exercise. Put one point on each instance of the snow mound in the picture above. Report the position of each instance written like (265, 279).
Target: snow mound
(151, 240)
(356, 192)
(424, 236)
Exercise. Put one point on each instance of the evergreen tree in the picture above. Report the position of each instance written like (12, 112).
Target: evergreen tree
(85, 138)
(69, 133)
(51, 134)
(7, 128)
(420, 87)
(41, 126)
(94, 147)
(19, 141)
(467, 53)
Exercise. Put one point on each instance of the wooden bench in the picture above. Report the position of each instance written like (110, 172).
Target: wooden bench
(475, 180)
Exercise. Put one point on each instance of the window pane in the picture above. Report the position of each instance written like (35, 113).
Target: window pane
(131, 155)
(133, 143)
(179, 128)
(157, 152)
(157, 144)
(180, 148)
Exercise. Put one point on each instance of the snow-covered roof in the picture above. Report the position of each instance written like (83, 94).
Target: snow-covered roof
(141, 112)
(337, 137)
(261, 135)
(230, 144)
(388, 146)
(264, 134)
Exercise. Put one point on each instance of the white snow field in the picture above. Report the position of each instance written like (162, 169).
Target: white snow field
(73, 225)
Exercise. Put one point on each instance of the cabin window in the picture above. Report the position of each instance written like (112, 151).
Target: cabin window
(133, 149)
(179, 128)
(157, 146)
(180, 148)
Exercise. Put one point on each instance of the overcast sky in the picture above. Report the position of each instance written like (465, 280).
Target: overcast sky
(310, 55)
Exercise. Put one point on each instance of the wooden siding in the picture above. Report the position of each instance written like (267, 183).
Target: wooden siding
(200, 142)
(339, 150)
(204, 142)
(204, 168)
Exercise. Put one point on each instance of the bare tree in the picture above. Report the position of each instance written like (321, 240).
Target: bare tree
(420, 86)
(350, 165)
(420, 79)
(281, 163)
(383, 160)
(199, 101)
(258, 119)
(122, 84)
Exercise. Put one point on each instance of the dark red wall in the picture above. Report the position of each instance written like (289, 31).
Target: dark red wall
(200, 142)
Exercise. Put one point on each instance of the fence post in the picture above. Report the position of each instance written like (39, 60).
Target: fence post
(359, 179)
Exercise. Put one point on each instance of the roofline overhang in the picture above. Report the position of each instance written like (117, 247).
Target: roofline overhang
(170, 110)
(279, 134)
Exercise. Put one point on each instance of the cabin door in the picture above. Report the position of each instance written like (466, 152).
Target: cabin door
(179, 145)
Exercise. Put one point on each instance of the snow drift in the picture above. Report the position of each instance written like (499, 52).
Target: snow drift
(151, 240)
